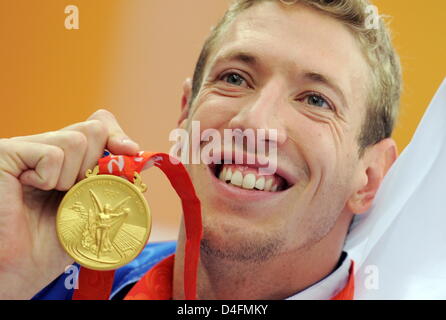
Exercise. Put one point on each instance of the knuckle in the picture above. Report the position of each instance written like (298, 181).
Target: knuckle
(76, 141)
(4, 145)
(55, 156)
(54, 160)
(51, 135)
(96, 129)
(102, 113)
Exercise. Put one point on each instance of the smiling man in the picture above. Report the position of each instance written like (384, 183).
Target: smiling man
(309, 70)
(329, 85)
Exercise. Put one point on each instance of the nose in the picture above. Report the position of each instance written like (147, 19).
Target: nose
(264, 113)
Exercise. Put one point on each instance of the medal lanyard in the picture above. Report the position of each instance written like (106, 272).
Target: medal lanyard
(96, 285)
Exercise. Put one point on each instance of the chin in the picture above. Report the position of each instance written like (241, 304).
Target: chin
(237, 240)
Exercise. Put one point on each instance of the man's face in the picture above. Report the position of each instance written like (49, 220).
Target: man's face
(302, 73)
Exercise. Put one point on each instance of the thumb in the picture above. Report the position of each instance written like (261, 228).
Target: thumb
(118, 141)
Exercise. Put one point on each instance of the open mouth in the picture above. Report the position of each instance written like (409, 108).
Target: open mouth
(249, 178)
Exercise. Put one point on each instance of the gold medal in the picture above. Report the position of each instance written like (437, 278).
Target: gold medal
(104, 221)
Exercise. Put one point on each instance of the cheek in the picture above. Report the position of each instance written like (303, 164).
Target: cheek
(314, 141)
(334, 185)
(214, 111)
(324, 140)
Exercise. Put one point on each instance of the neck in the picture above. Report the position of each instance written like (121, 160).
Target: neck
(278, 278)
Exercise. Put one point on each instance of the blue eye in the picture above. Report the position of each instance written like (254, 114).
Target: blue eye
(317, 101)
(234, 79)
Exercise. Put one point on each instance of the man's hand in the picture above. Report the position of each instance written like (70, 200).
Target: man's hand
(34, 173)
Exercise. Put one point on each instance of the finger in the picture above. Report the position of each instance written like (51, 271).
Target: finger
(74, 146)
(118, 141)
(34, 164)
(97, 137)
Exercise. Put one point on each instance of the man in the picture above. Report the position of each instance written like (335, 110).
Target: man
(312, 70)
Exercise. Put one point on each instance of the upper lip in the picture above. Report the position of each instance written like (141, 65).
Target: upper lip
(282, 170)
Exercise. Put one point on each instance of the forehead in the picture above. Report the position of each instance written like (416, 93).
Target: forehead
(296, 38)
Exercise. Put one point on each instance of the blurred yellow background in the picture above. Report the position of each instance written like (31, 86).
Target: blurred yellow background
(131, 57)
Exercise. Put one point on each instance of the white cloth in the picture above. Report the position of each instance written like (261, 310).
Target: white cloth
(328, 287)
(399, 246)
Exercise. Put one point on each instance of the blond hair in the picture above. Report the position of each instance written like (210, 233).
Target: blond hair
(376, 45)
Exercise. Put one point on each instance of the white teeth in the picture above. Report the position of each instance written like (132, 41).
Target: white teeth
(260, 183)
(268, 185)
(237, 179)
(222, 174)
(228, 175)
(249, 181)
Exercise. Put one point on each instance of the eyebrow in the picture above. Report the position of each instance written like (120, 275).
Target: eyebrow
(310, 76)
(238, 56)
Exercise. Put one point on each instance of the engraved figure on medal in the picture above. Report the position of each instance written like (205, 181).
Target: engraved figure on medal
(100, 229)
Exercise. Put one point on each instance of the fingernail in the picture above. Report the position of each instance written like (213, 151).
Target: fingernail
(130, 142)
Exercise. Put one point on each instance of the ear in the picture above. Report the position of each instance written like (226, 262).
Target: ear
(185, 102)
(377, 161)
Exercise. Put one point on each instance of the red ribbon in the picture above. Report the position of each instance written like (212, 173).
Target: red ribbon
(96, 285)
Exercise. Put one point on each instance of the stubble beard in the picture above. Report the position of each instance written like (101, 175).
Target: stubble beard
(225, 243)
